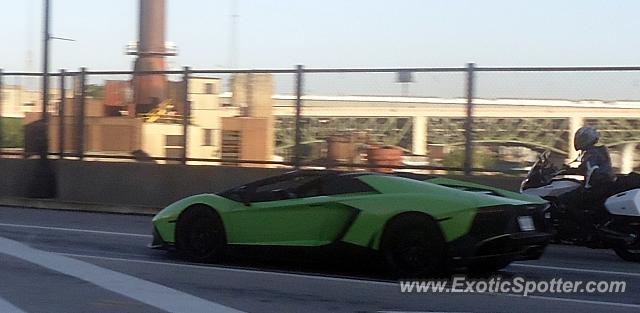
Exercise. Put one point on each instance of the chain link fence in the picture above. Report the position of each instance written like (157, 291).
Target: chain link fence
(467, 119)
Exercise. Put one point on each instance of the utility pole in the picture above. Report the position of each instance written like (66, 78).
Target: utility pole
(29, 27)
(43, 180)
(233, 44)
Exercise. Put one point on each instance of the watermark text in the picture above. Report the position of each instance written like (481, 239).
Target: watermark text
(512, 285)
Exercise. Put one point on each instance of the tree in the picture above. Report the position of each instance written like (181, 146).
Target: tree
(95, 91)
(481, 158)
(12, 133)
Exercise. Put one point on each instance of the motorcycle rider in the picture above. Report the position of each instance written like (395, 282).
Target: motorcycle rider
(595, 160)
(599, 178)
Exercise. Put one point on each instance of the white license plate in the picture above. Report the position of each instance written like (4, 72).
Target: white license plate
(526, 223)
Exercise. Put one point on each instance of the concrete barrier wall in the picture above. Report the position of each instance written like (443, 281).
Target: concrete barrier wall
(147, 184)
(16, 176)
(144, 184)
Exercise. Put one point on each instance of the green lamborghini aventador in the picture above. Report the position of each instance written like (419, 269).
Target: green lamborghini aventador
(417, 228)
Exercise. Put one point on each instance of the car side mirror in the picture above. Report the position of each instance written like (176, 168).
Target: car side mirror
(243, 194)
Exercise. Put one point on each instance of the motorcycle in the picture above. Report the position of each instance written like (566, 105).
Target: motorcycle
(615, 222)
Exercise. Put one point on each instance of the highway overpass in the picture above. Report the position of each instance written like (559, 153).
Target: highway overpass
(539, 123)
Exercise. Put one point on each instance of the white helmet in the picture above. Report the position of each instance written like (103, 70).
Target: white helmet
(585, 137)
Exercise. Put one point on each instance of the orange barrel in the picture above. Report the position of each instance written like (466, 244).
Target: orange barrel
(379, 157)
(340, 149)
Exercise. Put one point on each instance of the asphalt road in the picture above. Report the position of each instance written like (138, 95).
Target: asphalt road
(58, 261)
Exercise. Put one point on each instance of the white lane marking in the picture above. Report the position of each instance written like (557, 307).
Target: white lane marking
(581, 270)
(5, 306)
(101, 232)
(236, 270)
(584, 270)
(347, 280)
(147, 292)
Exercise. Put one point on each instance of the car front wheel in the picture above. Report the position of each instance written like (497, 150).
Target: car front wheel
(489, 266)
(200, 235)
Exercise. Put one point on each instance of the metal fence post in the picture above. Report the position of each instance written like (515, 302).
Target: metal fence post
(298, 140)
(186, 116)
(44, 148)
(468, 124)
(1, 129)
(61, 114)
(80, 117)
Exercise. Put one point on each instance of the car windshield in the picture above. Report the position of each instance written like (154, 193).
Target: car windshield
(263, 189)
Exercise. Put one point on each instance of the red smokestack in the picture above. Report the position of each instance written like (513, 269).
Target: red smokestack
(149, 90)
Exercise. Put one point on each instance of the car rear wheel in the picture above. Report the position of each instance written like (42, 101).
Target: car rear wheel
(628, 254)
(200, 235)
(414, 247)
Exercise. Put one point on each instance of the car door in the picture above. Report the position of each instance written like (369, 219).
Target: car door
(308, 220)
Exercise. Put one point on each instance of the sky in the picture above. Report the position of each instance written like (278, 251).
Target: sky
(334, 33)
